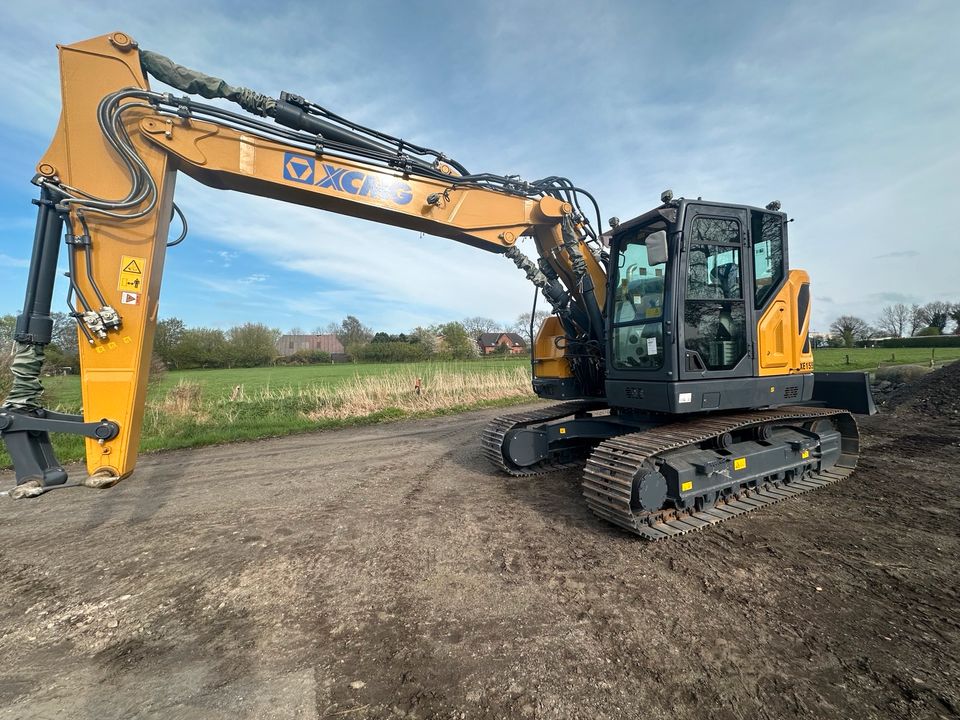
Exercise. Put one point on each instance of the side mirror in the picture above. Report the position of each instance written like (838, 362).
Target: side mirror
(656, 247)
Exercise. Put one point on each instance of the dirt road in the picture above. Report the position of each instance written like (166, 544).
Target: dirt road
(385, 572)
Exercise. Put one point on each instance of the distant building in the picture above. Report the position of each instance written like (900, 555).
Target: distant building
(289, 344)
(488, 342)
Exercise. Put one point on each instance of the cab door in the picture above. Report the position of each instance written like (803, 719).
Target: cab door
(714, 317)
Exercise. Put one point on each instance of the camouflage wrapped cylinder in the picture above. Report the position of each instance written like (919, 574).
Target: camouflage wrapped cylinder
(26, 389)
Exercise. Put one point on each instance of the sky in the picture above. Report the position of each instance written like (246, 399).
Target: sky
(845, 112)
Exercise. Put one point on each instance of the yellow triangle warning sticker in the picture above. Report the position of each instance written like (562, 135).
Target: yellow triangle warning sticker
(132, 270)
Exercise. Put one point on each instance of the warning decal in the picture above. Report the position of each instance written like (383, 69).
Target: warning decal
(131, 274)
(129, 298)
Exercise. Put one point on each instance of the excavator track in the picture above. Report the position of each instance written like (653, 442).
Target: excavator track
(615, 463)
(494, 435)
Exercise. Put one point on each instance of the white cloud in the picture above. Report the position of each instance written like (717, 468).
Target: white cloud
(842, 114)
(384, 266)
(13, 262)
(254, 278)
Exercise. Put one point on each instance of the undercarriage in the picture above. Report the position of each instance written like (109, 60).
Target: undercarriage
(658, 477)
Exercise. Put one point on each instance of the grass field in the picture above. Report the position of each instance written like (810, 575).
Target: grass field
(65, 391)
(192, 408)
(205, 407)
(871, 358)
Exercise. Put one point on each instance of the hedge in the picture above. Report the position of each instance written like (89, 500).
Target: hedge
(929, 341)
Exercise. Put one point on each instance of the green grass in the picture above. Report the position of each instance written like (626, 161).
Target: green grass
(65, 391)
(198, 407)
(835, 359)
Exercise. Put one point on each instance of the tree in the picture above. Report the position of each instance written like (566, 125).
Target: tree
(850, 329)
(167, 339)
(251, 345)
(425, 337)
(894, 320)
(522, 325)
(63, 350)
(935, 314)
(955, 316)
(64, 334)
(457, 343)
(351, 331)
(201, 348)
(477, 326)
(916, 319)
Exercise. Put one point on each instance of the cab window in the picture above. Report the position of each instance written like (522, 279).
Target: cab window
(715, 325)
(767, 231)
(638, 307)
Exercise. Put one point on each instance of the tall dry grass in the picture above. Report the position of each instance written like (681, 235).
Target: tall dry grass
(359, 397)
(439, 391)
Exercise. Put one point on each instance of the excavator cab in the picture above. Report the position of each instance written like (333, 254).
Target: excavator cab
(704, 313)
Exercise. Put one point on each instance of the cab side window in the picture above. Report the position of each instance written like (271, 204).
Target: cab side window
(767, 230)
(638, 308)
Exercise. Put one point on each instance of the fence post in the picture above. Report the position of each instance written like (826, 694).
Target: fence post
(848, 359)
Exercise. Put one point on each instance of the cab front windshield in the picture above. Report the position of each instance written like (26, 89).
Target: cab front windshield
(638, 305)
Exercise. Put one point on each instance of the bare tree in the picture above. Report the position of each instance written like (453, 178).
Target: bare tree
(476, 326)
(850, 329)
(894, 320)
(522, 325)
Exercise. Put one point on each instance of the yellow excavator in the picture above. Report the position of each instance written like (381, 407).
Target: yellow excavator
(677, 341)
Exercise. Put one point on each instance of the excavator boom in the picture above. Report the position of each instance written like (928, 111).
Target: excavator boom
(108, 179)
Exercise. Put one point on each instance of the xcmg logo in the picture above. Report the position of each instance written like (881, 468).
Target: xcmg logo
(303, 169)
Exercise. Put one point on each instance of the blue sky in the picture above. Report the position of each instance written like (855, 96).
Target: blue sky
(846, 112)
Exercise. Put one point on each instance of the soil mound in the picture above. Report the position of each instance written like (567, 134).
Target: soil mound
(935, 395)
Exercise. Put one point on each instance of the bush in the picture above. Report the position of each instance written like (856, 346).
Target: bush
(306, 357)
(389, 352)
(56, 362)
(929, 341)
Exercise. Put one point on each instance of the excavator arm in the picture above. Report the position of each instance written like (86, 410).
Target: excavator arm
(107, 187)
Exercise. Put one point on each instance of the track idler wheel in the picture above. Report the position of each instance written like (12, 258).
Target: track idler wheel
(649, 492)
